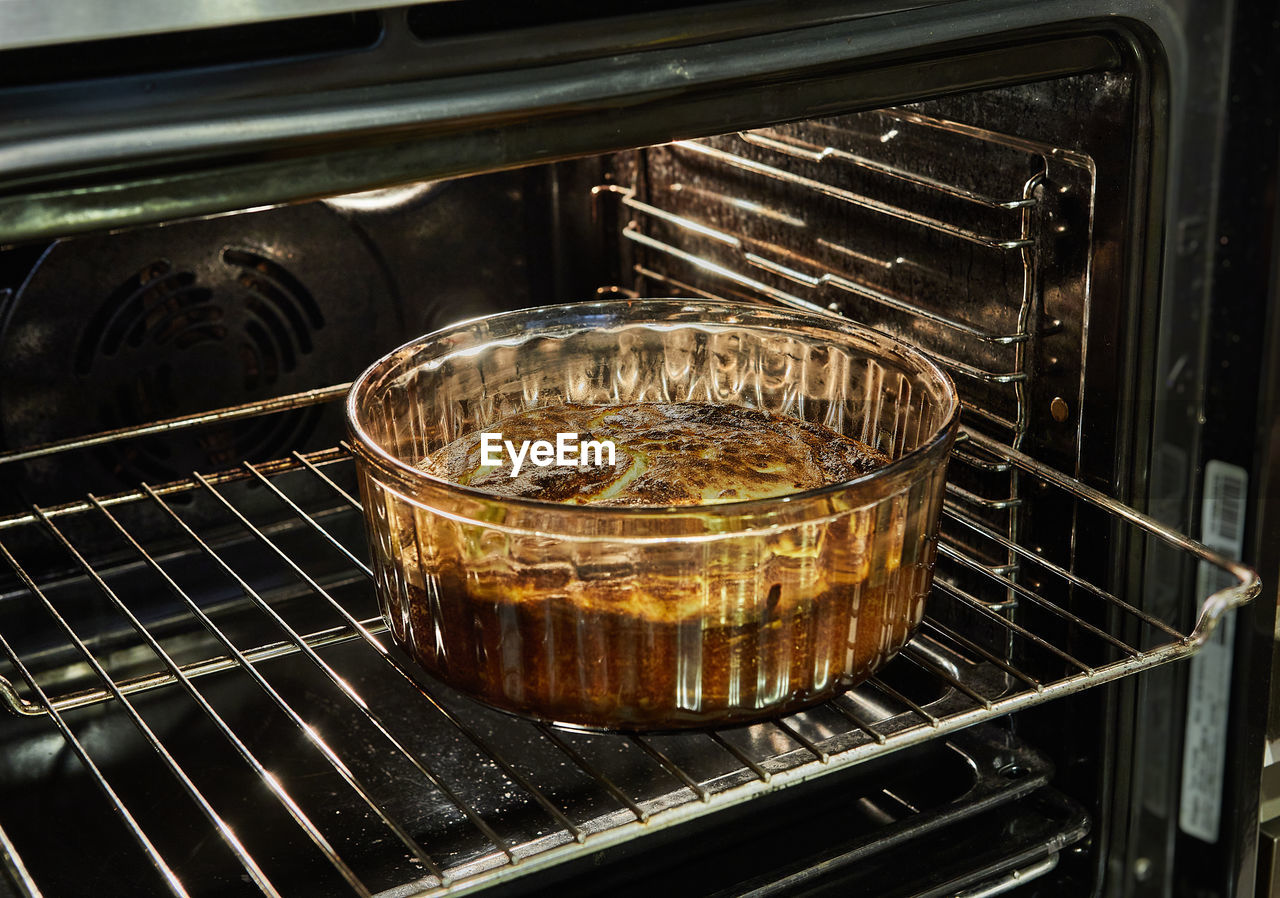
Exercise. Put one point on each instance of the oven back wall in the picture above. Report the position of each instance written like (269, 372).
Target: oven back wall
(121, 329)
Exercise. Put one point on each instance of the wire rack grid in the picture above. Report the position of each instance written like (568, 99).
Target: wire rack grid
(503, 796)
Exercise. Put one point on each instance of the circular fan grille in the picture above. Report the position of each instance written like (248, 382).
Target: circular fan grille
(167, 321)
(151, 334)
(282, 315)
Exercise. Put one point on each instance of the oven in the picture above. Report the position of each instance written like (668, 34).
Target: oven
(212, 219)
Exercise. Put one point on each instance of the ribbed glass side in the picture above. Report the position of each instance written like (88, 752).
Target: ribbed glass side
(653, 618)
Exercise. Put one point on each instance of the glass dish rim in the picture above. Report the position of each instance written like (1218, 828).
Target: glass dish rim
(373, 453)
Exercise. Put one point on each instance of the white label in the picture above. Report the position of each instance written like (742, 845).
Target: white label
(1204, 755)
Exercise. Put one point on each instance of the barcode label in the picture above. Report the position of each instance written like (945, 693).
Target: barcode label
(1204, 754)
(1224, 488)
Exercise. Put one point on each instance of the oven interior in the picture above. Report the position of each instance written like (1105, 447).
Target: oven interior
(203, 702)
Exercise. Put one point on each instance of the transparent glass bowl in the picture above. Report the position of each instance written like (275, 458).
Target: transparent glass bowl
(653, 618)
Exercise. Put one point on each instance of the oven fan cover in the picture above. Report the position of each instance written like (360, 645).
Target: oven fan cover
(119, 329)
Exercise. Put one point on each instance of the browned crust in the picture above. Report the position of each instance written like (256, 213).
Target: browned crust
(667, 453)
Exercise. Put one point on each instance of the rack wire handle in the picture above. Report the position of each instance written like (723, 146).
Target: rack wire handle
(182, 422)
(1215, 605)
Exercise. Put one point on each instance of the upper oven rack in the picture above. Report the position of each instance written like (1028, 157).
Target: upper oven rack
(969, 663)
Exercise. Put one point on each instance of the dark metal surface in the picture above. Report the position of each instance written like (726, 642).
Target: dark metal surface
(989, 855)
(135, 327)
(1240, 399)
(971, 848)
(296, 147)
(119, 330)
(27, 23)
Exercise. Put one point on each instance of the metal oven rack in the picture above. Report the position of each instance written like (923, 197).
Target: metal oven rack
(388, 782)
(947, 235)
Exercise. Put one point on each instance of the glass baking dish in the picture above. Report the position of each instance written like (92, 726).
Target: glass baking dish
(641, 618)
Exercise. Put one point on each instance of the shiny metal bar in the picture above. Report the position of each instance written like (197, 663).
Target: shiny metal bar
(192, 670)
(312, 736)
(1014, 879)
(10, 698)
(968, 644)
(792, 146)
(986, 415)
(629, 200)
(671, 767)
(974, 499)
(224, 830)
(277, 788)
(680, 285)
(1017, 376)
(760, 210)
(847, 714)
(309, 520)
(1222, 601)
(925, 665)
(183, 422)
(306, 463)
(16, 868)
(898, 696)
(590, 769)
(826, 278)
(790, 299)
(855, 288)
(900, 801)
(1034, 147)
(982, 464)
(171, 880)
(801, 739)
(850, 197)
(372, 716)
(779, 296)
(746, 761)
(977, 605)
(1007, 570)
(1031, 596)
(1029, 254)
(1073, 579)
(279, 466)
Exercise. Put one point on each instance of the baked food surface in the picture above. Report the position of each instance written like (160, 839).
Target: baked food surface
(666, 453)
